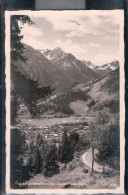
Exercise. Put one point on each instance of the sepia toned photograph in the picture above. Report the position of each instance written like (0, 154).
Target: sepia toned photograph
(65, 101)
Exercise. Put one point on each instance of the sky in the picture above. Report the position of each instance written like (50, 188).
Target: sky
(89, 36)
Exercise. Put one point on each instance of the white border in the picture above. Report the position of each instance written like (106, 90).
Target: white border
(120, 15)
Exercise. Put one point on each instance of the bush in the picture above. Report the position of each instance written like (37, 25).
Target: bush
(91, 104)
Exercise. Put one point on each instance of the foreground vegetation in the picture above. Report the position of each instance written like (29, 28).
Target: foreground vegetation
(40, 154)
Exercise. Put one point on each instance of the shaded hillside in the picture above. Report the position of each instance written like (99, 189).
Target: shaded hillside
(109, 83)
(112, 83)
(98, 95)
(63, 72)
(102, 94)
(37, 67)
(66, 61)
(105, 92)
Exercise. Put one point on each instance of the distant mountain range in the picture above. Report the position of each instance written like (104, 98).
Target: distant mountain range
(89, 64)
(59, 69)
(105, 92)
(104, 69)
(87, 98)
(57, 56)
(55, 68)
(72, 77)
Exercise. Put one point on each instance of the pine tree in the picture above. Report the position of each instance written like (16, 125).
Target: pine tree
(39, 141)
(17, 47)
(105, 139)
(73, 140)
(35, 160)
(23, 88)
(17, 143)
(51, 166)
(105, 148)
(93, 144)
(65, 150)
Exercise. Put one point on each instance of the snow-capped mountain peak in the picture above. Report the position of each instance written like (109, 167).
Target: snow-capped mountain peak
(106, 68)
(57, 52)
(113, 66)
(53, 54)
(45, 52)
(58, 49)
(89, 64)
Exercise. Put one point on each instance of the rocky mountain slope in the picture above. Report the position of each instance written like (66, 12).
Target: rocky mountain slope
(76, 84)
(74, 80)
(67, 62)
(106, 68)
(83, 99)
(105, 93)
(103, 69)
(89, 64)
(55, 68)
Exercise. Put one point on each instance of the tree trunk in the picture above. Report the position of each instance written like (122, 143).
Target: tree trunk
(103, 168)
(92, 159)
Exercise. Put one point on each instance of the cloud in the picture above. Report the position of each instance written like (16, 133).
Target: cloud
(93, 25)
(90, 37)
(101, 58)
(68, 22)
(76, 24)
(32, 42)
(74, 33)
(68, 46)
(30, 33)
(74, 21)
(95, 45)
(31, 30)
(77, 32)
(61, 22)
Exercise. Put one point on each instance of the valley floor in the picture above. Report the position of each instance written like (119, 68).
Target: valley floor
(53, 121)
(68, 178)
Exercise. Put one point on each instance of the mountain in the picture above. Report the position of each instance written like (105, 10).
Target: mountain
(89, 64)
(103, 69)
(76, 84)
(105, 92)
(54, 54)
(109, 83)
(73, 70)
(37, 67)
(69, 64)
(45, 52)
(88, 98)
(106, 68)
(55, 68)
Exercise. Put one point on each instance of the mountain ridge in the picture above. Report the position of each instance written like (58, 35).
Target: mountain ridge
(103, 69)
(62, 72)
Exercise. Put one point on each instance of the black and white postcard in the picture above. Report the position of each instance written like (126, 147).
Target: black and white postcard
(65, 102)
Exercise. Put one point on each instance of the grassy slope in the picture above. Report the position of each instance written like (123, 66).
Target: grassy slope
(76, 178)
(79, 107)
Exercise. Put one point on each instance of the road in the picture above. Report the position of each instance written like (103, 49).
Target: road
(87, 159)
